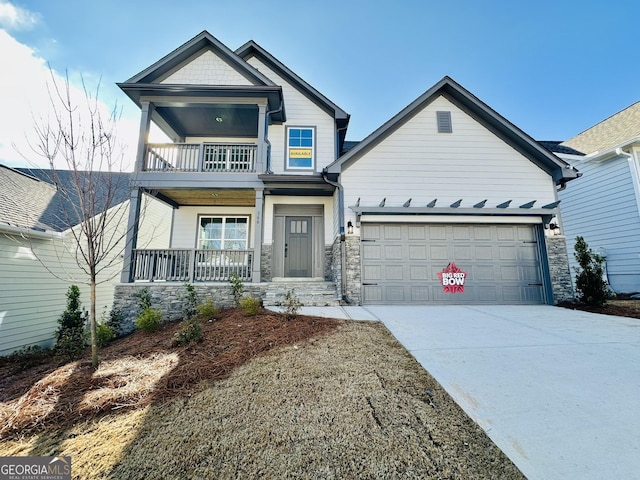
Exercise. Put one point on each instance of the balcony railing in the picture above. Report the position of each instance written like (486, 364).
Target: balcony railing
(191, 265)
(200, 157)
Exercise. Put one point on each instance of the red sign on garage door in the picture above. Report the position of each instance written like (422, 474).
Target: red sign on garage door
(452, 279)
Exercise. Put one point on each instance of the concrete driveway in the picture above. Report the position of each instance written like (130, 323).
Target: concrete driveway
(557, 390)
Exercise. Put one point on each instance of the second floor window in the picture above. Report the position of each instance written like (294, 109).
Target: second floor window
(300, 148)
(223, 233)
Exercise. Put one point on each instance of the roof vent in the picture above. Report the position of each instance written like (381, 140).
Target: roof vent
(444, 122)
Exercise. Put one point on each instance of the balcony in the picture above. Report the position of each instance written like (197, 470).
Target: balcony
(191, 265)
(201, 157)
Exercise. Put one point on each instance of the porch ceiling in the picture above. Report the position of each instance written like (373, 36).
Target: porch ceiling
(212, 120)
(210, 197)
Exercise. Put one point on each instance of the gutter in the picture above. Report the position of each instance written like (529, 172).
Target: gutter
(29, 232)
(343, 251)
(616, 150)
(266, 133)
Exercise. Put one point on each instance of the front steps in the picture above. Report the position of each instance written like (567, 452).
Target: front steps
(310, 293)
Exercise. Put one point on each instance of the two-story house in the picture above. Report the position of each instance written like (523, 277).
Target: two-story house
(261, 185)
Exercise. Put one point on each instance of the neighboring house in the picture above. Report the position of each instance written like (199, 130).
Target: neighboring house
(37, 261)
(263, 184)
(604, 206)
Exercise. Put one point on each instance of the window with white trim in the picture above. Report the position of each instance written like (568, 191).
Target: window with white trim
(223, 233)
(300, 148)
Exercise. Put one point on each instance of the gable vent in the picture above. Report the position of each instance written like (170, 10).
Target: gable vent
(444, 122)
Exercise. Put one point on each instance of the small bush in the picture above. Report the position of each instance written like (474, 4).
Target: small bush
(190, 302)
(104, 334)
(250, 306)
(208, 310)
(591, 285)
(70, 336)
(149, 320)
(144, 298)
(237, 288)
(291, 305)
(27, 357)
(115, 320)
(190, 331)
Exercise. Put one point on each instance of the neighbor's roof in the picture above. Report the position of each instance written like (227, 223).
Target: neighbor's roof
(40, 199)
(613, 131)
(25, 201)
(556, 146)
(481, 112)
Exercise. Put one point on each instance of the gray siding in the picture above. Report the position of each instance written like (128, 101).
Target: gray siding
(601, 207)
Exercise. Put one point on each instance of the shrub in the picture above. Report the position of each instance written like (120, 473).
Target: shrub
(291, 305)
(149, 320)
(208, 310)
(237, 288)
(27, 357)
(190, 331)
(115, 320)
(70, 336)
(250, 306)
(591, 285)
(190, 302)
(104, 334)
(144, 298)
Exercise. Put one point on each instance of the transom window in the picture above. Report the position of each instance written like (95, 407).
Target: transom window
(223, 233)
(300, 150)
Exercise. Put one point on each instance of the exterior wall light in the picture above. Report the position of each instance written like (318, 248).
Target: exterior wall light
(350, 227)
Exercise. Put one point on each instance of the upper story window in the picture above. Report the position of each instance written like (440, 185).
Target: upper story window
(223, 233)
(444, 122)
(300, 148)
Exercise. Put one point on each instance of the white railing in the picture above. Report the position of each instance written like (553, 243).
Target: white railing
(192, 265)
(200, 157)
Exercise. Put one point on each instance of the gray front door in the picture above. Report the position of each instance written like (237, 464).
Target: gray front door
(298, 258)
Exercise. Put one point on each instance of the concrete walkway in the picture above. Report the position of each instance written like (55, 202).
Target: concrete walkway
(557, 390)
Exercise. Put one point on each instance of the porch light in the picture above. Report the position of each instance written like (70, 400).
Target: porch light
(350, 227)
(219, 119)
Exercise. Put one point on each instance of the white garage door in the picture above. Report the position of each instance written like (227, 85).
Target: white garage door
(401, 262)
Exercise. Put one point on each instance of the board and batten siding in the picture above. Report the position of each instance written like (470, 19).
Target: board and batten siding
(301, 112)
(602, 207)
(206, 69)
(35, 274)
(471, 163)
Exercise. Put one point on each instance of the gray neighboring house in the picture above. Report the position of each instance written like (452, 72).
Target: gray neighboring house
(604, 206)
(36, 247)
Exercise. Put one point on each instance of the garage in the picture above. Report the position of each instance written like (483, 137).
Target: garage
(498, 263)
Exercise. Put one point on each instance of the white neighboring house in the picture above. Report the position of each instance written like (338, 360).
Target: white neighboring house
(604, 206)
(36, 247)
(262, 185)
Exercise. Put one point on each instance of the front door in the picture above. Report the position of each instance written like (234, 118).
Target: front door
(298, 247)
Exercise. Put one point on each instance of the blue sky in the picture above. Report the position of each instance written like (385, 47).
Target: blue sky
(553, 68)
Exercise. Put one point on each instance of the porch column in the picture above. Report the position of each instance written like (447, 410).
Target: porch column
(257, 237)
(262, 148)
(143, 135)
(132, 235)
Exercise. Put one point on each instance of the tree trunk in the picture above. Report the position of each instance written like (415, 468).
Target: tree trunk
(93, 324)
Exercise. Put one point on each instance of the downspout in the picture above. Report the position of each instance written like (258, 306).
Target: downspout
(266, 135)
(343, 251)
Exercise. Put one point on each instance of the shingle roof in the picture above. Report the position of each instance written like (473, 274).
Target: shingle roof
(30, 199)
(557, 147)
(613, 131)
(25, 201)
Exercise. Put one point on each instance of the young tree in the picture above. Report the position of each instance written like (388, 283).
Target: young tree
(80, 145)
(591, 285)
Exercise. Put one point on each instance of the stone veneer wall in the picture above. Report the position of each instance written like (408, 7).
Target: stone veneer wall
(336, 271)
(265, 263)
(559, 269)
(328, 263)
(168, 298)
(353, 284)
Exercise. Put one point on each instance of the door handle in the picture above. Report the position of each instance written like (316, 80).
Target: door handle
(286, 249)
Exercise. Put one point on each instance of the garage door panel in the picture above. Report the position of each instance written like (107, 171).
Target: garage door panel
(502, 263)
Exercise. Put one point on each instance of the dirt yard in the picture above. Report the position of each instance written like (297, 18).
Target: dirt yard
(259, 397)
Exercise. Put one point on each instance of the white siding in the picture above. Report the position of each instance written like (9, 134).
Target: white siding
(185, 223)
(206, 69)
(471, 164)
(601, 206)
(36, 273)
(301, 112)
(271, 200)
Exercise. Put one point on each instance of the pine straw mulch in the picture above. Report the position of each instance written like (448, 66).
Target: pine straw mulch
(141, 369)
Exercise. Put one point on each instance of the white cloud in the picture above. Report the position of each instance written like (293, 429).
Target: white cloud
(25, 101)
(16, 18)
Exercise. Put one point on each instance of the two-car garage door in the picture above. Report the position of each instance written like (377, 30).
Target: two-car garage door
(401, 262)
